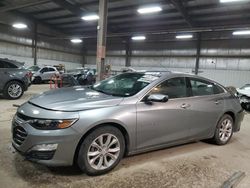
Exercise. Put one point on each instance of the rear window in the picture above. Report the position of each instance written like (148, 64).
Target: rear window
(4, 64)
(202, 87)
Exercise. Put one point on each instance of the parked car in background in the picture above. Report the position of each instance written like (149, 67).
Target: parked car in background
(244, 95)
(33, 69)
(95, 126)
(44, 74)
(84, 76)
(15, 79)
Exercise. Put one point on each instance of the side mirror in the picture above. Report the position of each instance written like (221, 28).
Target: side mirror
(157, 98)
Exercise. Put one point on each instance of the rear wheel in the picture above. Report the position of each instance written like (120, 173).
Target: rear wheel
(38, 80)
(13, 90)
(224, 130)
(101, 150)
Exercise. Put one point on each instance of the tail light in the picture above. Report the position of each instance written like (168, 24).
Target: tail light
(29, 74)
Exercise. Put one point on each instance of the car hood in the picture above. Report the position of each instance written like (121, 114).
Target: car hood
(244, 92)
(74, 99)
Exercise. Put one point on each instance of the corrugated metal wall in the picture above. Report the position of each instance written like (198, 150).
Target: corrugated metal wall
(226, 61)
(49, 53)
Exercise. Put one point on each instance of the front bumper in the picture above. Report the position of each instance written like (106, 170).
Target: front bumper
(238, 119)
(27, 83)
(25, 138)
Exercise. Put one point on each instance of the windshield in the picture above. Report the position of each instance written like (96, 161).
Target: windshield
(125, 85)
(34, 68)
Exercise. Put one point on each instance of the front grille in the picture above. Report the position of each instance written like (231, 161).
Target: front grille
(19, 135)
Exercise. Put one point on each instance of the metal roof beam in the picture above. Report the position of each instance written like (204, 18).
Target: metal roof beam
(74, 8)
(23, 5)
(181, 8)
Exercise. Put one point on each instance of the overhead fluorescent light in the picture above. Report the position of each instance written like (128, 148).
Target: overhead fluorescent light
(76, 40)
(184, 36)
(148, 10)
(243, 32)
(19, 26)
(141, 37)
(90, 17)
(231, 1)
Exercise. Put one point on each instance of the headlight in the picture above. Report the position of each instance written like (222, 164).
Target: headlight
(45, 124)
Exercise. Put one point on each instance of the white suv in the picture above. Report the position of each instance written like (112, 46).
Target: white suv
(44, 74)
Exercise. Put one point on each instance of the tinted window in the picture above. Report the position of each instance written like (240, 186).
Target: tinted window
(44, 70)
(10, 65)
(51, 69)
(4, 64)
(218, 89)
(174, 88)
(201, 87)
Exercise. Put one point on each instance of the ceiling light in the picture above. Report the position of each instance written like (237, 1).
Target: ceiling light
(141, 37)
(148, 10)
(184, 36)
(243, 32)
(19, 26)
(76, 40)
(231, 1)
(90, 17)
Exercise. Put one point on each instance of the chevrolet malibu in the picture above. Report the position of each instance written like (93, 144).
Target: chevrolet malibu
(94, 127)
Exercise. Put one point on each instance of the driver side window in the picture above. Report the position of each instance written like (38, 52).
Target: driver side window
(44, 70)
(173, 88)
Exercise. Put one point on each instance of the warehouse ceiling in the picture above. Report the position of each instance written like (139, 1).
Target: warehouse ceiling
(124, 20)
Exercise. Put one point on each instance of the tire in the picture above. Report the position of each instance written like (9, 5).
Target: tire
(246, 106)
(95, 158)
(224, 130)
(38, 80)
(13, 90)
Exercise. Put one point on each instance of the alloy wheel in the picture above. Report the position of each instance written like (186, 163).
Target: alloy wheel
(14, 90)
(103, 151)
(225, 130)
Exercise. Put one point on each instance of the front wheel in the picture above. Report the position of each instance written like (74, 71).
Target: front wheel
(13, 90)
(224, 130)
(101, 150)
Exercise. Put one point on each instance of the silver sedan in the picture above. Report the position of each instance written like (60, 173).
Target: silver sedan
(94, 127)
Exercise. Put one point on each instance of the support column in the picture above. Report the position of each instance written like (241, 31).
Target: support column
(34, 44)
(128, 53)
(101, 39)
(84, 53)
(198, 54)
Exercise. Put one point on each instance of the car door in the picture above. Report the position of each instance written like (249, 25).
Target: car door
(160, 123)
(4, 74)
(6, 69)
(52, 72)
(47, 73)
(205, 107)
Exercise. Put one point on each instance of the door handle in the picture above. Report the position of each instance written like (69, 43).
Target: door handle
(217, 102)
(185, 105)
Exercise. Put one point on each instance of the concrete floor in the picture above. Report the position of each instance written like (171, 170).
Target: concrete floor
(192, 165)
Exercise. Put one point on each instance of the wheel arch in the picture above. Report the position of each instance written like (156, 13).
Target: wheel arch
(16, 80)
(113, 124)
(230, 113)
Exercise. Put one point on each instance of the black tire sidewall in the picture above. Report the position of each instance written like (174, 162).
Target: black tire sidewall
(6, 94)
(217, 130)
(38, 80)
(82, 160)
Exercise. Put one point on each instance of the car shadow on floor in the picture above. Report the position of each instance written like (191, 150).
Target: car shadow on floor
(35, 173)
